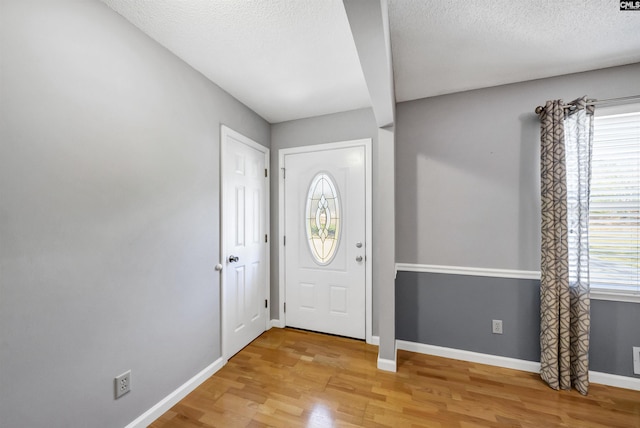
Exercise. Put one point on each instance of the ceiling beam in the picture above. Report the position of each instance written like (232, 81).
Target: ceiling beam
(369, 23)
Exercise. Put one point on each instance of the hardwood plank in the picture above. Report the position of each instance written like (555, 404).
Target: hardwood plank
(293, 378)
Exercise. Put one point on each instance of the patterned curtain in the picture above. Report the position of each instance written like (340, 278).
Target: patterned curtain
(566, 141)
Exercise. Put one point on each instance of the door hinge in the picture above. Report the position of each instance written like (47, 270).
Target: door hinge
(265, 303)
(265, 238)
(284, 173)
(285, 241)
(285, 307)
(266, 174)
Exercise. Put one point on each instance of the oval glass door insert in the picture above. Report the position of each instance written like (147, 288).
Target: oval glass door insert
(323, 218)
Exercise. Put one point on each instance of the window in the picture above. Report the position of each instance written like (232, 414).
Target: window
(322, 218)
(614, 211)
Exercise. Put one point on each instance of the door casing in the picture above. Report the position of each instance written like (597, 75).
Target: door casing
(225, 131)
(366, 143)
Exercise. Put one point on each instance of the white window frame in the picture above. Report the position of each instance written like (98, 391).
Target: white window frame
(601, 293)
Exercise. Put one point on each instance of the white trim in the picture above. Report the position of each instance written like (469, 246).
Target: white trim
(276, 324)
(172, 399)
(226, 132)
(281, 226)
(375, 340)
(366, 143)
(614, 380)
(472, 271)
(474, 357)
(595, 294)
(512, 363)
(600, 294)
(617, 109)
(388, 365)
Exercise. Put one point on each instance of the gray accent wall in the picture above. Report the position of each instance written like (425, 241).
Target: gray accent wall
(615, 330)
(109, 215)
(350, 125)
(467, 194)
(455, 311)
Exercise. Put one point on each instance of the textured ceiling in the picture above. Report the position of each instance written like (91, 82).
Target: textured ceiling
(285, 59)
(289, 59)
(441, 47)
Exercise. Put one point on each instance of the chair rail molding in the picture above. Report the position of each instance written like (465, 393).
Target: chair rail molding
(470, 271)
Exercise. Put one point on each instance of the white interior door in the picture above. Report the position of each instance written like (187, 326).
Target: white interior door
(325, 232)
(245, 250)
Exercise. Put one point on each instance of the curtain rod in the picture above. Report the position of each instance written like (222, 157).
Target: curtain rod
(540, 109)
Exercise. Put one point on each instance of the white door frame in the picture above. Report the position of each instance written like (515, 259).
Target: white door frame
(366, 143)
(225, 132)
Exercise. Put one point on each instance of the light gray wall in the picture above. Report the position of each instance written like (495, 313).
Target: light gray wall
(468, 170)
(350, 125)
(109, 224)
(383, 244)
(467, 194)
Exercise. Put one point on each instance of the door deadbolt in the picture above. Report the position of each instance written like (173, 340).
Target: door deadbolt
(233, 259)
(359, 259)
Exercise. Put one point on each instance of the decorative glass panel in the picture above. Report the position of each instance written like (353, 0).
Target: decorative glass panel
(323, 218)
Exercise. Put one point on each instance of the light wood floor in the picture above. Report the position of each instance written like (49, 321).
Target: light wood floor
(290, 378)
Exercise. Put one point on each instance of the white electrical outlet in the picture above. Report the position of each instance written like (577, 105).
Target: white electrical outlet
(636, 360)
(496, 326)
(123, 383)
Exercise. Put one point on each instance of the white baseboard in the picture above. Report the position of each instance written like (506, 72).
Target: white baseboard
(511, 363)
(474, 357)
(276, 324)
(375, 340)
(172, 399)
(386, 365)
(614, 380)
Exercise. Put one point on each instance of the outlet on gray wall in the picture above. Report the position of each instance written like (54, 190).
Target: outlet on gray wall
(123, 383)
(496, 326)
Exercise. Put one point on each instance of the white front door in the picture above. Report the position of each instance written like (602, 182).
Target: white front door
(244, 230)
(325, 232)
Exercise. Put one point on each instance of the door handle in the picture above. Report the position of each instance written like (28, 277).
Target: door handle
(233, 259)
(218, 267)
(359, 259)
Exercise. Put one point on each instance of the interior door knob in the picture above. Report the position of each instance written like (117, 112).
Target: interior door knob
(218, 267)
(233, 259)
